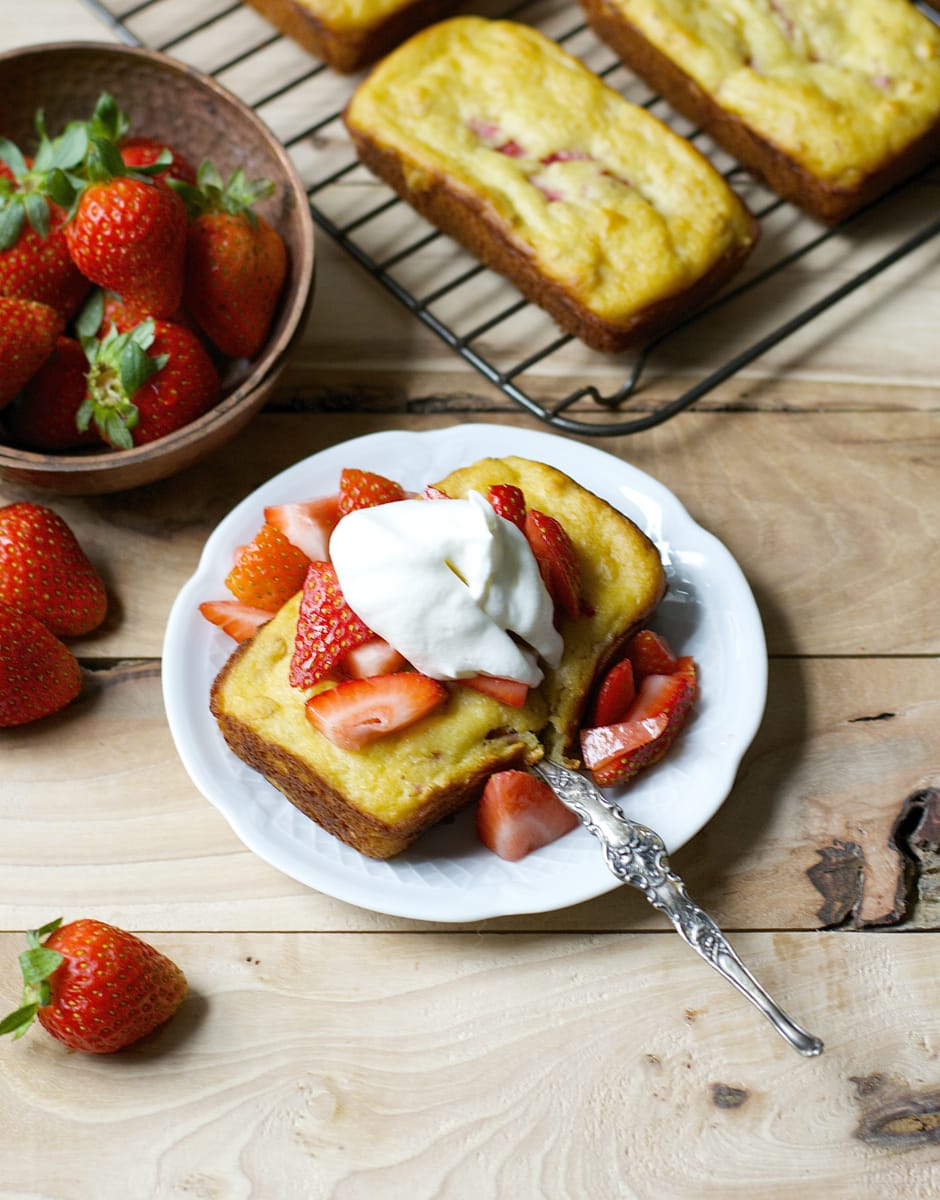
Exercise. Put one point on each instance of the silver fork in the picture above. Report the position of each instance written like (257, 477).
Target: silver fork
(637, 856)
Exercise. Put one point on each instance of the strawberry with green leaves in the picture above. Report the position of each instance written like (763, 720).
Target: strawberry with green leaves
(94, 987)
(39, 675)
(139, 152)
(45, 572)
(236, 263)
(144, 383)
(28, 333)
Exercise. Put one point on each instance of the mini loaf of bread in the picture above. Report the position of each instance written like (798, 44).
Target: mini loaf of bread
(831, 102)
(349, 34)
(596, 210)
(380, 798)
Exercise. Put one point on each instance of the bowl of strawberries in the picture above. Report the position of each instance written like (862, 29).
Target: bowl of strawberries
(156, 266)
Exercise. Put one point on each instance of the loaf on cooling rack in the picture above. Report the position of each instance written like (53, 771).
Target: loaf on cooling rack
(596, 210)
(830, 102)
(349, 34)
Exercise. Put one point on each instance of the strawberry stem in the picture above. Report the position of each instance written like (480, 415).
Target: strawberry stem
(38, 964)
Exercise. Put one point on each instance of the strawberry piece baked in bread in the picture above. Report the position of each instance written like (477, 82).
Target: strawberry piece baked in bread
(508, 592)
(594, 208)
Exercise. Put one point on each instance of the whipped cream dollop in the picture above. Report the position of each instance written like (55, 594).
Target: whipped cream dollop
(451, 585)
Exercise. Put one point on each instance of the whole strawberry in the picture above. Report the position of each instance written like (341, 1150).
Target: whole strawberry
(44, 417)
(146, 383)
(94, 987)
(45, 572)
(140, 152)
(35, 263)
(28, 333)
(128, 234)
(38, 673)
(236, 263)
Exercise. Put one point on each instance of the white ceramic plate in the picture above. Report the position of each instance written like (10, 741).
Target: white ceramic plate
(708, 612)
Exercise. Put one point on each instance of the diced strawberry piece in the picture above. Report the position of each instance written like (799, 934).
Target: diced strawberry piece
(615, 695)
(365, 489)
(519, 813)
(651, 654)
(375, 657)
(238, 620)
(507, 691)
(307, 524)
(268, 571)
(512, 149)
(432, 492)
(508, 501)
(615, 753)
(327, 628)
(567, 156)
(557, 558)
(360, 711)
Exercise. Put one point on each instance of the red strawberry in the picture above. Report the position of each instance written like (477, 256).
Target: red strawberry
(307, 524)
(147, 383)
(128, 234)
(615, 695)
(28, 333)
(268, 571)
(45, 572)
(38, 673)
(236, 263)
(94, 987)
(615, 753)
(327, 628)
(238, 620)
(506, 691)
(365, 489)
(432, 492)
(45, 417)
(375, 657)
(558, 561)
(39, 267)
(140, 152)
(508, 501)
(360, 711)
(651, 654)
(519, 813)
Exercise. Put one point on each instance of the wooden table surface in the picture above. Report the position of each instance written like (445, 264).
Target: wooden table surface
(329, 1051)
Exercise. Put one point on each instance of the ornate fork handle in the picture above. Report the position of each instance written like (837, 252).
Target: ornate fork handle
(637, 856)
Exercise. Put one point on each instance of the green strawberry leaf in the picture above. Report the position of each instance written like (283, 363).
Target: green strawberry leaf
(38, 963)
(70, 147)
(19, 1021)
(12, 216)
(89, 319)
(62, 188)
(37, 212)
(11, 155)
(135, 367)
(108, 121)
(104, 160)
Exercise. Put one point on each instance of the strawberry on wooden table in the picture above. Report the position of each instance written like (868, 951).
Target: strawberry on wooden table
(145, 383)
(38, 673)
(327, 628)
(28, 334)
(267, 571)
(94, 987)
(44, 570)
(360, 711)
(236, 263)
(519, 813)
(45, 416)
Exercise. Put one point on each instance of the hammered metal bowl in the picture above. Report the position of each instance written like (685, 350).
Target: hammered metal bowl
(165, 99)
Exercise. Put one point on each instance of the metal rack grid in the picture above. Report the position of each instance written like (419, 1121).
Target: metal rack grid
(461, 301)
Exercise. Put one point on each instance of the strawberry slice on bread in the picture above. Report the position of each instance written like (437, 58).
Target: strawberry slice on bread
(360, 711)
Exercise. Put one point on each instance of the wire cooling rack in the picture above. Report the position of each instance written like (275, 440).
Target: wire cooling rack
(480, 316)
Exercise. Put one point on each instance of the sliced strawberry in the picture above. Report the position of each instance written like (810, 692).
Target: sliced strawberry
(508, 501)
(307, 524)
(327, 628)
(375, 657)
(519, 813)
(506, 691)
(238, 620)
(268, 571)
(615, 695)
(431, 492)
(360, 711)
(615, 753)
(558, 561)
(365, 489)
(651, 654)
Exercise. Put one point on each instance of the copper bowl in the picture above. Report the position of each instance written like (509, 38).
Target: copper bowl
(164, 99)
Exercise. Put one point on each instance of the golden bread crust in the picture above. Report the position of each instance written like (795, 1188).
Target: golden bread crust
(829, 115)
(594, 209)
(381, 798)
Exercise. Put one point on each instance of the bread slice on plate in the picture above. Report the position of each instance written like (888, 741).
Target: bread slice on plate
(382, 797)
